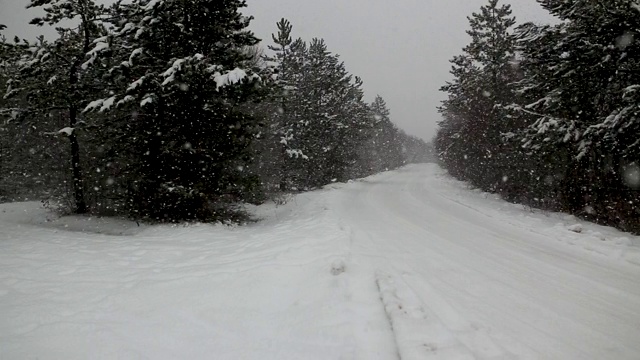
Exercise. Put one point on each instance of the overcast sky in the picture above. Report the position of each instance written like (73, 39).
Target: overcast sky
(399, 48)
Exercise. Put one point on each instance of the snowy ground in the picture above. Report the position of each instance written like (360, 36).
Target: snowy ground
(407, 264)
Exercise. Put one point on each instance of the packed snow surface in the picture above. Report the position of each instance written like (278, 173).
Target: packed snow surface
(407, 264)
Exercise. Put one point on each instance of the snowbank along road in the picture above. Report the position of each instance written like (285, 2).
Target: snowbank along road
(402, 265)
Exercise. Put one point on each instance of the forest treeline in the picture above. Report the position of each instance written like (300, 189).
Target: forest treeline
(169, 110)
(548, 115)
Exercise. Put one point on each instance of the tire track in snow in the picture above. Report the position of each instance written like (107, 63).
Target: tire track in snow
(418, 332)
(372, 330)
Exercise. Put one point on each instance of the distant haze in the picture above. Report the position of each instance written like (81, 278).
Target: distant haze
(401, 49)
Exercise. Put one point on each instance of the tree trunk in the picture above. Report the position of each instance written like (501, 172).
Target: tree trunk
(78, 182)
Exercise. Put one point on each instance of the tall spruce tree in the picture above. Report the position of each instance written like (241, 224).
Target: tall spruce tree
(183, 80)
(580, 84)
(387, 145)
(322, 118)
(471, 139)
(287, 61)
(334, 111)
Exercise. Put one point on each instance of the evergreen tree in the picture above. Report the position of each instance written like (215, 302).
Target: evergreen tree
(288, 58)
(461, 111)
(283, 56)
(333, 111)
(474, 122)
(416, 150)
(580, 88)
(183, 79)
(387, 145)
(10, 54)
(54, 81)
(321, 119)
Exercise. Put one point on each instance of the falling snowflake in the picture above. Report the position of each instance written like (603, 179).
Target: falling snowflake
(624, 40)
(632, 176)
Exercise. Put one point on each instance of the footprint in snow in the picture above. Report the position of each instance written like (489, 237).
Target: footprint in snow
(431, 347)
(338, 267)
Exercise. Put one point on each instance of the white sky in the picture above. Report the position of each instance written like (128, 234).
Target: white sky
(399, 48)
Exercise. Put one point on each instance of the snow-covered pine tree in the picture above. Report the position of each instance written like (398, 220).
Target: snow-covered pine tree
(458, 113)
(54, 81)
(183, 80)
(333, 113)
(322, 122)
(581, 85)
(321, 117)
(286, 118)
(386, 152)
(25, 170)
(287, 61)
(473, 121)
(582, 72)
(283, 57)
(354, 131)
(10, 55)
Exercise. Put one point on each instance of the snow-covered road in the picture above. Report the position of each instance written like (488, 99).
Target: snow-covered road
(407, 264)
(499, 286)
